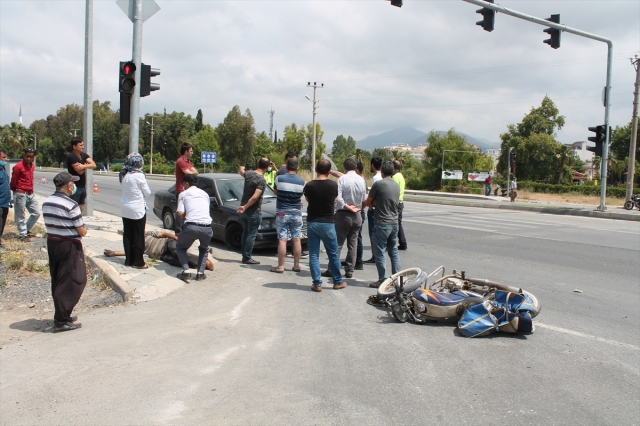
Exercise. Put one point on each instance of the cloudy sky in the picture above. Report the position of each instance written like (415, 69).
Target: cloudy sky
(426, 65)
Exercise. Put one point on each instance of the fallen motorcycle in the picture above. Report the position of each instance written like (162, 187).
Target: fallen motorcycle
(482, 306)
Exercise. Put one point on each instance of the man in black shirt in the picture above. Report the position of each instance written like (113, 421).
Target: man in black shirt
(321, 195)
(77, 163)
(249, 210)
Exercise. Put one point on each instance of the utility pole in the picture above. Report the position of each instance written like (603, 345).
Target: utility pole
(509, 172)
(88, 103)
(151, 148)
(271, 113)
(634, 133)
(313, 141)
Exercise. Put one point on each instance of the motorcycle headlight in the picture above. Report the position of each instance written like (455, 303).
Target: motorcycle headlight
(422, 307)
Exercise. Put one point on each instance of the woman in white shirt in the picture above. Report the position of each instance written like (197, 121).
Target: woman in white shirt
(133, 209)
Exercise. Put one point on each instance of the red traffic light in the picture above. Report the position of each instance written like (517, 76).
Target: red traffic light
(128, 69)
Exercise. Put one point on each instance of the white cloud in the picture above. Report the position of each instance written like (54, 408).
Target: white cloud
(426, 65)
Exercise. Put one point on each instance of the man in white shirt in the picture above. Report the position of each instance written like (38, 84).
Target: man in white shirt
(514, 190)
(193, 207)
(376, 163)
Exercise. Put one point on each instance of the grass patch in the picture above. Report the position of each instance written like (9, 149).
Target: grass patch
(13, 260)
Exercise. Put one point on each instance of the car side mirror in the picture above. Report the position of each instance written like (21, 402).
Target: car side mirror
(214, 201)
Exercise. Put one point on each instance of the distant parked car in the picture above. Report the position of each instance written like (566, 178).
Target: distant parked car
(225, 191)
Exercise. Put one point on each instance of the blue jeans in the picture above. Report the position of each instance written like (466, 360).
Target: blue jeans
(360, 251)
(28, 202)
(371, 218)
(487, 189)
(386, 236)
(250, 223)
(325, 232)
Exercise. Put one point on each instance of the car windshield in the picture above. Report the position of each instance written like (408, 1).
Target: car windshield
(231, 190)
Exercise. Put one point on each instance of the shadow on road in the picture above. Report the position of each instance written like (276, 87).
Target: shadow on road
(31, 324)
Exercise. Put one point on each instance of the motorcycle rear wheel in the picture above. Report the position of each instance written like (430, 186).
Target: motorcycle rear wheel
(628, 205)
(387, 288)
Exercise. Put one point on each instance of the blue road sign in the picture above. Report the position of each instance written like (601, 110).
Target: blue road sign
(208, 157)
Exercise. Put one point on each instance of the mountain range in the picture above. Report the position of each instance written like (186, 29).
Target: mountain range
(414, 138)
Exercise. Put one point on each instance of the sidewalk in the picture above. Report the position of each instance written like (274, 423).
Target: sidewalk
(139, 285)
(497, 202)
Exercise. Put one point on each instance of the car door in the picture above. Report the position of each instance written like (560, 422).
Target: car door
(217, 221)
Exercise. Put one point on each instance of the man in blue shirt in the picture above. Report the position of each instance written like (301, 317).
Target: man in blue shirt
(289, 214)
(5, 192)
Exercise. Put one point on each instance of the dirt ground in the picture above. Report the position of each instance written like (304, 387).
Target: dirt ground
(524, 195)
(25, 286)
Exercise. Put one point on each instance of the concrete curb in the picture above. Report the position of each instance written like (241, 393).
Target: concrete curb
(567, 211)
(111, 276)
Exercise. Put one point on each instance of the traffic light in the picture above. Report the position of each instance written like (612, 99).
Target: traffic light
(127, 80)
(489, 17)
(512, 156)
(599, 140)
(146, 86)
(554, 41)
(396, 3)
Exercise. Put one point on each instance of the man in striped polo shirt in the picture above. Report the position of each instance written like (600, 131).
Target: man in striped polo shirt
(65, 228)
(289, 187)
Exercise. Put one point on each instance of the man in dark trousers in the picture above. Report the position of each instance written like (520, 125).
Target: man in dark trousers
(250, 209)
(65, 229)
(375, 164)
(5, 192)
(77, 163)
(384, 194)
(193, 207)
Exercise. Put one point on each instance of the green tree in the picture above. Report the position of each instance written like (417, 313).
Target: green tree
(172, 131)
(538, 155)
(60, 128)
(621, 140)
(264, 147)
(305, 160)
(106, 133)
(198, 121)
(15, 138)
(237, 138)
(46, 153)
(293, 139)
(206, 140)
(343, 148)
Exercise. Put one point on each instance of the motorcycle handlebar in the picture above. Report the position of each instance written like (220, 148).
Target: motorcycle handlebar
(495, 284)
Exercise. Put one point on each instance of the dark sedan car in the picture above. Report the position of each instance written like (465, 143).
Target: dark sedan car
(225, 192)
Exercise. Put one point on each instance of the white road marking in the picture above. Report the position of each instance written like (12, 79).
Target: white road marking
(235, 313)
(587, 336)
(449, 226)
(219, 359)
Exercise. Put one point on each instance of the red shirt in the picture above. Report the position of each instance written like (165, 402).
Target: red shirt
(22, 177)
(181, 164)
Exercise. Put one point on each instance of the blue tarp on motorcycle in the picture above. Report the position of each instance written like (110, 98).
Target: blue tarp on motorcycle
(508, 312)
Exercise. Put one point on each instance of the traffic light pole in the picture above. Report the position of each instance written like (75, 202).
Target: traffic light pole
(88, 104)
(313, 141)
(607, 100)
(134, 123)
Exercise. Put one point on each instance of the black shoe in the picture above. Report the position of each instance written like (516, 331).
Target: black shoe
(201, 277)
(348, 274)
(370, 261)
(401, 247)
(67, 326)
(250, 262)
(359, 267)
(184, 276)
(73, 318)
(327, 273)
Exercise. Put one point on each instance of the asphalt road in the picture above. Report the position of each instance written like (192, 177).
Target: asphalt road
(252, 347)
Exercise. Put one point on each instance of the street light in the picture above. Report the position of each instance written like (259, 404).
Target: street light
(151, 147)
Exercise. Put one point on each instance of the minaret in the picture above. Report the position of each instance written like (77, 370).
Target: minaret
(20, 115)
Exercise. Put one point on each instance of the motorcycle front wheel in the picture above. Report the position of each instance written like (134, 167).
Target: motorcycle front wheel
(628, 205)
(387, 288)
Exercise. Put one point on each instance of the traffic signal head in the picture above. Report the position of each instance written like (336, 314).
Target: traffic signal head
(554, 41)
(127, 80)
(396, 3)
(146, 86)
(598, 139)
(488, 17)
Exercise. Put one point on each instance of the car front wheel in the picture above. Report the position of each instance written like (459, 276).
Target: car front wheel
(168, 221)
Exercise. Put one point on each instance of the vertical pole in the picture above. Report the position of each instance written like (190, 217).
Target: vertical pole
(509, 173)
(634, 134)
(605, 147)
(88, 104)
(313, 142)
(134, 120)
(151, 149)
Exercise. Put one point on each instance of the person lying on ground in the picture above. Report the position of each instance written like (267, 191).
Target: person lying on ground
(162, 245)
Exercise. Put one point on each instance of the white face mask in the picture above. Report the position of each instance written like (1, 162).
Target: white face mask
(269, 169)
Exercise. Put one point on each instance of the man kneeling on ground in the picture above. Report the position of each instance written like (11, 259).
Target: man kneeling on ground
(162, 245)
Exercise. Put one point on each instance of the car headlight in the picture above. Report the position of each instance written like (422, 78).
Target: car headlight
(267, 224)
